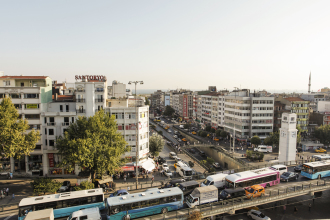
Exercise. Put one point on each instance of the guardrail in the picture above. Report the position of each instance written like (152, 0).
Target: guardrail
(9, 207)
(229, 206)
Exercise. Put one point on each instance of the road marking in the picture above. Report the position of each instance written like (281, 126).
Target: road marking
(10, 216)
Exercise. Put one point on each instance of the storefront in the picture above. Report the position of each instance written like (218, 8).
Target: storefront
(53, 162)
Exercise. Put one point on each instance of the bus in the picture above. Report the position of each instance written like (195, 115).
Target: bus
(184, 170)
(316, 170)
(265, 177)
(63, 204)
(144, 203)
(321, 157)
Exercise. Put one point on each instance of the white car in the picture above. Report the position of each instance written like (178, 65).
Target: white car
(216, 165)
(165, 166)
(254, 214)
(169, 131)
(168, 173)
(175, 136)
(177, 159)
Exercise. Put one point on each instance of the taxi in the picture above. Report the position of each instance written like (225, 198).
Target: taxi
(216, 139)
(194, 132)
(184, 139)
(175, 165)
(254, 191)
(320, 150)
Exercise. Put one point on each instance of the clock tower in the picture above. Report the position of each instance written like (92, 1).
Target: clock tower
(288, 138)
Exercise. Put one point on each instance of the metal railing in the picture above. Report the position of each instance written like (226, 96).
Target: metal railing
(51, 123)
(99, 100)
(81, 110)
(80, 100)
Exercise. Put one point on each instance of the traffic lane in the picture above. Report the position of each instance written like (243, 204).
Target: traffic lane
(166, 134)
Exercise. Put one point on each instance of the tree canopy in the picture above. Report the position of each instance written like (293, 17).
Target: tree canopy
(223, 134)
(169, 111)
(156, 144)
(45, 185)
(323, 134)
(255, 140)
(147, 101)
(93, 143)
(273, 139)
(14, 141)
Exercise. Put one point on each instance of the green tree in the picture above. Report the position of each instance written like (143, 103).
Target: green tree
(249, 153)
(203, 134)
(261, 156)
(14, 141)
(93, 143)
(45, 185)
(212, 130)
(156, 144)
(268, 141)
(218, 133)
(208, 128)
(147, 101)
(323, 134)
(210, 160)
(298, 134)
(160, 132)
(84, 185)
(169, 111)
(223, 134)
(255, 140)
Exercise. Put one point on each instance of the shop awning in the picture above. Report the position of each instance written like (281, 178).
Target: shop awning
(127, 168)
(148, 164)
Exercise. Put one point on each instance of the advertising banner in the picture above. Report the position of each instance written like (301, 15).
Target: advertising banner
(51, 160)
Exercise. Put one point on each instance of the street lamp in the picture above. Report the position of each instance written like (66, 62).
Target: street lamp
(137, 135)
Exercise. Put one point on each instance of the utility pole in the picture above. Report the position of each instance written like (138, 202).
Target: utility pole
(137, 135)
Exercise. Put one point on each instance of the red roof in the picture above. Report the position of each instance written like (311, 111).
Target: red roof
(23, 77)
(292, 99)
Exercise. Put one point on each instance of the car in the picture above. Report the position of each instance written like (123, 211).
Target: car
(320, 150)
(175, 165)
(216, 139)
(287, 176)
(184, 139)
(181, 126)
(216, 165)
(298, 168)
(299, 149)
(175, 136)
(177, 159)
(254, 191)
(172, 155)
(194, 132)
(65, 186)
(192, 150)
(165, 166)
(169, 131)
(254, 214)
(179, 140)
(168, 173)
(202, 154)
(161, 160)
(199, 175)
(120, 192)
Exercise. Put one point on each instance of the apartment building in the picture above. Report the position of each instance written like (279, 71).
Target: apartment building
(183, 105)
(279, 108)
(298, 106)
(117, 90)
(314, 99)
(248, 114)
(157, 100)
(30, 95)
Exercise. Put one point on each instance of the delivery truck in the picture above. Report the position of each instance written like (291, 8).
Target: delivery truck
(202, 195)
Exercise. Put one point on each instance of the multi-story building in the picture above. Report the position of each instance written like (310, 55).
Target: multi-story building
(279, 108)
(314, 99)
(157, 100)
(183, 105)
(248, 114)
(30, 95)
(298, 106)
(117, 90)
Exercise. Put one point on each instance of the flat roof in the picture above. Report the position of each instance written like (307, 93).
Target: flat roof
(250, 174)
(318, 163)
(23, 77)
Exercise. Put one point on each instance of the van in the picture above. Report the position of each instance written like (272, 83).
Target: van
(281, 168)
(231, 193)
(264, 149)
(254, 191)
(181, 126)
(188, 187)
(218, 180)
(90, 214)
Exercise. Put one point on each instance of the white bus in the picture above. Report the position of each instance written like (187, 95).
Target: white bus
(63, 204)
(184, 170)
(321, 157)
(265, 177)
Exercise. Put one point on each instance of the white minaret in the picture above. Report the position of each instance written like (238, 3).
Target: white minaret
(288, 138)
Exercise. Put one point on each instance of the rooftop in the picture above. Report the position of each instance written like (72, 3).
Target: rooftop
(23, 77)
(292, 99)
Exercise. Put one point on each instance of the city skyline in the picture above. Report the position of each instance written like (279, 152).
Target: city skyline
(169, 44)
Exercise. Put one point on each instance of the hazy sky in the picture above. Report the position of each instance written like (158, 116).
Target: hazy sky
(170, 44)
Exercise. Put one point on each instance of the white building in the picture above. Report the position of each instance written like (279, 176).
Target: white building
(30, 95)
(117, 90)
(288, 138)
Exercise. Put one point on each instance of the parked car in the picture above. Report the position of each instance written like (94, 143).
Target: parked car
(165, 166)
(298, 168)
(120, 192)
(287, 176)
(254, 214)
(202, 154)
(216, 165)
(168, 173)
(172, 154)
(65, 186)
(320, 150)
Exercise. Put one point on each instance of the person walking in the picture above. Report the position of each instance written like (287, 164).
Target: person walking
(295, 210)
(128, 188)
(284, 209)
(7, 191)
(13, 196)
(125, 179)
(309, 207)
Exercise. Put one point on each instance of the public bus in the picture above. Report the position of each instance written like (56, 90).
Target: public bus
(265, 177)
(184, 170)
(321, 157)
(63, 204)
(316, 170)
(144, 203)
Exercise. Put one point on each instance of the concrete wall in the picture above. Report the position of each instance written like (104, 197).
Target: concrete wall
(225, 161)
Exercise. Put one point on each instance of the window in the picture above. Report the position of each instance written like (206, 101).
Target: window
(6, 82)
(51, 131)
(32, 116)
(22, 84)
(15, 95)
(67, 108)
(31, 96)
(61, 108)
(72, 119)
(45, 120)
(2, 96)
(66, 119)
(45, 130)
(51, 119)
(18, 106)
(46, 142)
(31, 106)
(83, 217)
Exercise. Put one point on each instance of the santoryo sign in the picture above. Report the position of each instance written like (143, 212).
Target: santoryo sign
(91, 77)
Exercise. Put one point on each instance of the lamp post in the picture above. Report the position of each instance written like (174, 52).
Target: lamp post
(137, 135)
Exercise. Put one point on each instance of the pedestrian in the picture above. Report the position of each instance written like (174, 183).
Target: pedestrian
(284, 209)
(7, 191)
(295, 210)
(309, 207)
(128, 188)
(13, 197)
(125, 179)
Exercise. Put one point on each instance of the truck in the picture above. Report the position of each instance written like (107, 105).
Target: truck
(45, 214)
(202, 195)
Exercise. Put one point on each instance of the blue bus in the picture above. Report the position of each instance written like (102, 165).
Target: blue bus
(63, 204)
(144, 203)
(316, 170)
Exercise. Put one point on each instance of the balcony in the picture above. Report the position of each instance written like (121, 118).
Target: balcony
(80, 90)
(81, 110)
(99, 100)
(51, 123)
(80, 100)
(65, 123)
(99, 90)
